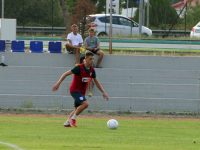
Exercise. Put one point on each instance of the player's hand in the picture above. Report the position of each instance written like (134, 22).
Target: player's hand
(55, 87)
(105, 96)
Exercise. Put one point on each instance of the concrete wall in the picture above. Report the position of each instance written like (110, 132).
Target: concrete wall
(134, 83)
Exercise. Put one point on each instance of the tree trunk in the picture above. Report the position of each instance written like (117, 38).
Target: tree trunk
(65, 15)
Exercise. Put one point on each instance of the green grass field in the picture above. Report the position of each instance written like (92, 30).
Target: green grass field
(45, 132)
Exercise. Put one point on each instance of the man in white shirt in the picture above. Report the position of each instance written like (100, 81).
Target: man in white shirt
(74, 43)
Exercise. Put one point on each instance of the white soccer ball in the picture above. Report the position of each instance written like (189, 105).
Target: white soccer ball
(112, 124)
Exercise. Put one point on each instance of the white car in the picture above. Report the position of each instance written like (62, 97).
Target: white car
(195, 32)
(121, 25)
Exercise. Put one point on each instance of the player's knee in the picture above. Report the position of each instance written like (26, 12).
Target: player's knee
(101, 53)
(68, 46)
(86, 105)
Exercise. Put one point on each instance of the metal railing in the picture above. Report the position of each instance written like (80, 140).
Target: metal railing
(42, 30)
(176, 33)
(62, 30)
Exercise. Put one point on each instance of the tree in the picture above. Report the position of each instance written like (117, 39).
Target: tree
(82, 9)
(100, 5)
(174, 1)
(65, 13)
(34, 12)
(193, 15)
(161, 13)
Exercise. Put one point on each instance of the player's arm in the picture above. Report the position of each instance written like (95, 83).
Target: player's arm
(60, 80)
(100, 87)
(80, 44)
(98, 45)
(80, 41)
(70, 42)
(87, 46)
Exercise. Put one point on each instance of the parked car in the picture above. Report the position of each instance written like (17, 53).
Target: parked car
(121, 25)
(195, 32)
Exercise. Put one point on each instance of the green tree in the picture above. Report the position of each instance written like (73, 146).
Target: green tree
(161, 14)
(34, 12)
(81, 10)
(100, 5)
(193, 16)
(174, 1)
(65, 13)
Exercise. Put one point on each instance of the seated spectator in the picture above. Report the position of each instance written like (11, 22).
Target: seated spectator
(92, 44)
(74, 43)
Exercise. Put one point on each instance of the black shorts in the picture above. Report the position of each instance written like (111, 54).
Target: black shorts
(70, 50)
(95, 51)
(78, 98)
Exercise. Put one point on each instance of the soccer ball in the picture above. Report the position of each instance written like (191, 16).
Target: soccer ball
(112, 124)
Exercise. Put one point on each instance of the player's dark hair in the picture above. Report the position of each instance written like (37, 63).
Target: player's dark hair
(88, 53)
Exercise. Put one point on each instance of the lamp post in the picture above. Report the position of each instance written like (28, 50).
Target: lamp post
(141, 8)
(2, 9)
(148, 5)
(110, 29)
(52, 5)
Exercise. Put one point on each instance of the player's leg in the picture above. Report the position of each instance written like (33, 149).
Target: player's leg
(80, 104)
(67, 122)
(100, 54)
(77, 56)
(90, 88)
(81, 108)
(69, 48)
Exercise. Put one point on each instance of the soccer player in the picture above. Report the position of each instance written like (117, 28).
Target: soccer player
(83, 73)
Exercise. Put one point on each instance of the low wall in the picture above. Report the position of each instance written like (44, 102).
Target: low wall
(134, 83)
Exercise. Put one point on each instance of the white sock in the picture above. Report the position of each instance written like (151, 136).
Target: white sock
(74, 116)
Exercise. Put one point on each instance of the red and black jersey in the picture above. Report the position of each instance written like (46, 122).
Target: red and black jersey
(82, 76)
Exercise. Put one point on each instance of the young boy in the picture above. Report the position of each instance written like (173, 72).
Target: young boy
(92, 44)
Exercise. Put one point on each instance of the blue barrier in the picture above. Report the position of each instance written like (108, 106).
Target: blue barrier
(17, 46)
(2, 45)
(55, 47)
(36, 46)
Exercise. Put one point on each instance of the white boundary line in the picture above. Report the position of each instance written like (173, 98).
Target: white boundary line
(15, 147)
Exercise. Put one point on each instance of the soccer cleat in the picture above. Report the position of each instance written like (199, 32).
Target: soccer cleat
(73, 123)
(2, 64)
(67, 124)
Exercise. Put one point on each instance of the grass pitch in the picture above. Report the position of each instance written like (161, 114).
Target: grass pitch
(46, 132)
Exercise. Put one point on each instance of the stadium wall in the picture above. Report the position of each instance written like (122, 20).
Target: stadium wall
(134, 83)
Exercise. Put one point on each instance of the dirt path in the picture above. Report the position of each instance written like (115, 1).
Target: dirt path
(109, 116)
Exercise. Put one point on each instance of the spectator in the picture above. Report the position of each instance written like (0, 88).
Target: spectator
(74, 43)
(92, 44)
